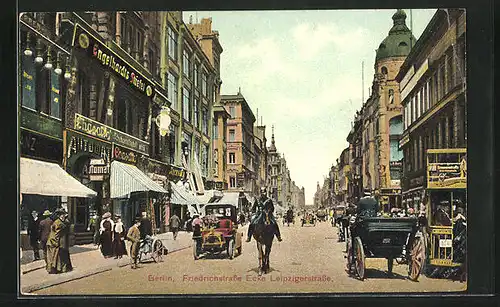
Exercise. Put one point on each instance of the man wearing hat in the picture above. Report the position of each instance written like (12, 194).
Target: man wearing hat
(260, 205)
(134, 235)
(33, 234)
(44, 231)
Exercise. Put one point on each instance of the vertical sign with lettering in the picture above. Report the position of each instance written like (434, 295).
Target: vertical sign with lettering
(28, 82)
(55, 96)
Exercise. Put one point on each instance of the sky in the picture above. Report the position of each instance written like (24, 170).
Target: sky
(302, 71)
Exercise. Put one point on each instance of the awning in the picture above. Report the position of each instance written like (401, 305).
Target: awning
(126, 178)
(209, 196)
(230, 198)
(182, 197)
(44, 178)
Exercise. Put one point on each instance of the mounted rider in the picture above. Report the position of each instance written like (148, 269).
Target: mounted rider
(260, 206)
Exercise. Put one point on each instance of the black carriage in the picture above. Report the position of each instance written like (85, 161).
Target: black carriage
(374, 236)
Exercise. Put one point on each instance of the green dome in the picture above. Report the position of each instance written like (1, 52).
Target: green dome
(399, 40)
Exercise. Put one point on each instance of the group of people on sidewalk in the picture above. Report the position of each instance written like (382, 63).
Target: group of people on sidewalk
(51, 233)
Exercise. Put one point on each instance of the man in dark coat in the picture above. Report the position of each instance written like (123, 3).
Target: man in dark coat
(34, 234)
(259, 206)
(146, 227)
(44, 231)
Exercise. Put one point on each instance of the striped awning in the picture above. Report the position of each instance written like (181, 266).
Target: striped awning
(126, 178)
(44, 178)
(180, 196)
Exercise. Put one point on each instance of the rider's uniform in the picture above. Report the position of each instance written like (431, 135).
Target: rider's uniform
(259, 217)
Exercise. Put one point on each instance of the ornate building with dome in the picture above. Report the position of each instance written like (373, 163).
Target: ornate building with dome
(382, 117)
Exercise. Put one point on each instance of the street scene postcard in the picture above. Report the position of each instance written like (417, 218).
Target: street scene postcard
(242, 152)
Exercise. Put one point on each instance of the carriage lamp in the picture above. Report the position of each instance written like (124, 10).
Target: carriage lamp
(67, 73)
(48, 65)
(163, 121)
(38, 58)
(58, 69)
(27, 51)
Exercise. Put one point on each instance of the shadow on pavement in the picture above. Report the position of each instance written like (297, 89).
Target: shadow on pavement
(378, 274)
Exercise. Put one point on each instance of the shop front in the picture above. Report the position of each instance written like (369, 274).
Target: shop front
(88, 159)
(414, 195)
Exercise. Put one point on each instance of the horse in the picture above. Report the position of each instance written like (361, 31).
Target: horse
(264, 235)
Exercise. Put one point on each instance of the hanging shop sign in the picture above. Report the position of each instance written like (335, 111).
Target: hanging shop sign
(98, 168)
(43, 124)
(95, 128)
(124, 154)
(110, 61)
(77, 143)
(28, 84)
(176, 172)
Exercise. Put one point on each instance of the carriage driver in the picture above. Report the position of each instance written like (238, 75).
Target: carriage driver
(261, 204)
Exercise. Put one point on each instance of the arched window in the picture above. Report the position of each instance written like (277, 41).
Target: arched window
(403, 44)
(396, 125)
(384, 70)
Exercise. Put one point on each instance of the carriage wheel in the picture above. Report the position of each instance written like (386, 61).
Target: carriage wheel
(157, 253)
(417, 258)
(359, 254)
(230, 249)
(390, 262)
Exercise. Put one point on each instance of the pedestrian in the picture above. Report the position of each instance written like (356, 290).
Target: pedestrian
(58, 258)
(44, 231)
(34, 235)
(174, 225)
(197, 225)
(119, 234)
(97, 231)
(146, 227)
(134, 235)
(106, 235)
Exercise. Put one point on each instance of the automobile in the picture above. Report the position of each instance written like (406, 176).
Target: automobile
(220, 232)
(375, 236)
(308, 219)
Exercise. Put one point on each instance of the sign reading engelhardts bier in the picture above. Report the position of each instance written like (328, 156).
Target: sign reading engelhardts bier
(447, 175)
(107, 133)
(108, 59)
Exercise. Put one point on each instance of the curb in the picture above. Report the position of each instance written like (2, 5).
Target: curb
(29, 289)
(45, 285)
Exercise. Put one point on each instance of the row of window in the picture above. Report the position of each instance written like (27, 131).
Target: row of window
(447, 75)
(441, 136)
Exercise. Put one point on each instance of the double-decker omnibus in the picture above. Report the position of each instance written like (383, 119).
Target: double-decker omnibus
(446, 199)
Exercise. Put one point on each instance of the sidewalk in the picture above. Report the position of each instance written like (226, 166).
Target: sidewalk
(87, 260)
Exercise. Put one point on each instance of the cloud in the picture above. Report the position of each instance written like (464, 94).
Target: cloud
(312, 38)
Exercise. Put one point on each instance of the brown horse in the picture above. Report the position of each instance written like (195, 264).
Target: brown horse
(264, 235)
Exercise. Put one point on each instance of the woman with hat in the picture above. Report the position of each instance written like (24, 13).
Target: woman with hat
(106, 231)
(119, 234)
(58, 259)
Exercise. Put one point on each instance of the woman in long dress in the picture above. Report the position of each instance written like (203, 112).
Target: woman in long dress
(106, 230)
(119, 248)
(58, 259)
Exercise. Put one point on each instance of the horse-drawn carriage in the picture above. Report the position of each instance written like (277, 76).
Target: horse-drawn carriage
(220, 233)
(373, 236)
(322, 215)
(308, 219)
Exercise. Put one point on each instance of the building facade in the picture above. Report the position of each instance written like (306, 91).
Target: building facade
(382, 117)
(355, 186)
(433, 91)
(240, 173)
(220, 147)
(260, 161)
